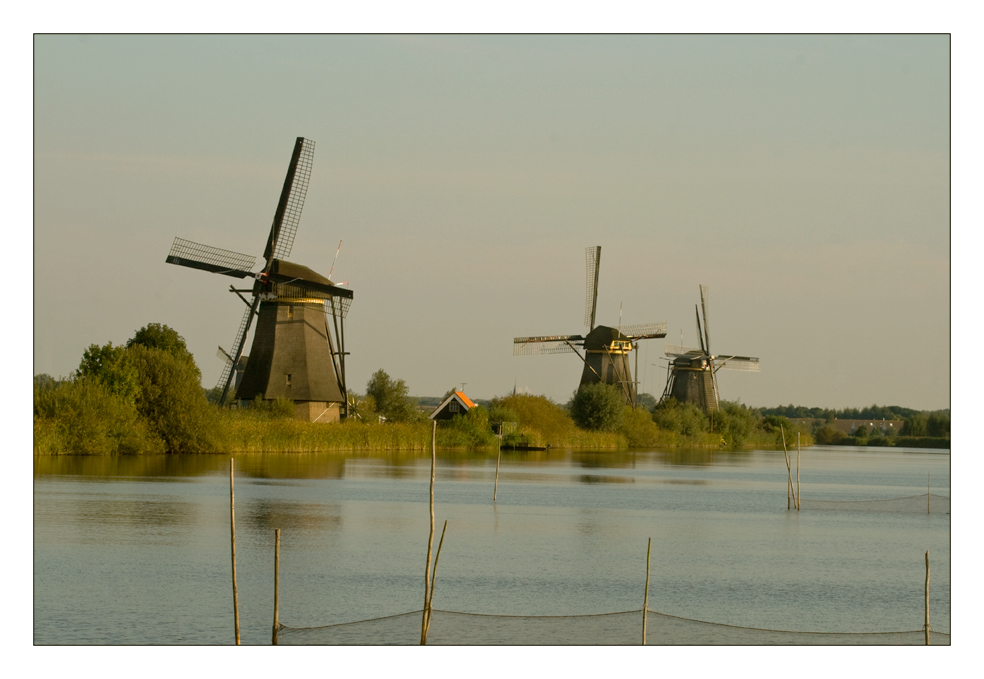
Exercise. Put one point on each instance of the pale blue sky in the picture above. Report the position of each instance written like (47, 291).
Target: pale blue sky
(805, 179)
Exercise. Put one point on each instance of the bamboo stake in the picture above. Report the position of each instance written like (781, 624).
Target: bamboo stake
(645, 601)
(232, 528)
(430, 602)
(926, 624)
(495, 488)
(430, 539)
(928, 486)
(276, 587)
(798, 496)
(789, 473)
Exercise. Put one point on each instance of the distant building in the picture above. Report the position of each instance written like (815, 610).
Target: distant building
(885, 427)
(455, 404)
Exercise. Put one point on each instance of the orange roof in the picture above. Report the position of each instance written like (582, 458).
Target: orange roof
(464, 399)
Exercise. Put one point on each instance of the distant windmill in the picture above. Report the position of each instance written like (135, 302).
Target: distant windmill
(692, 374)
(294, 354)
(606, 349)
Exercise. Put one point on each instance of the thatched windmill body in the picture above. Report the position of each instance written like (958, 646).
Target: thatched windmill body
(606, 349)
(298, 350)
(692, 373)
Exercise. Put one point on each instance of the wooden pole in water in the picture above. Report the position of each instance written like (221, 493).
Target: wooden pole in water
(430, 602)
(276, 586)
(926, 624)
(232, 528)
(928, 486)
(430, 539)
(798, 496)
(789, 473)
(645, 600)
(498, 459)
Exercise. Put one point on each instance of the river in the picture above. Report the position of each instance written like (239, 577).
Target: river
(136, 550)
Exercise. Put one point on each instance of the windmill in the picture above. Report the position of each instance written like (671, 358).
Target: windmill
(606, 349)
(692, 373)
(294, 355)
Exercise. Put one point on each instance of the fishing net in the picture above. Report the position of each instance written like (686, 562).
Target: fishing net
(471, 629)
(922, 504)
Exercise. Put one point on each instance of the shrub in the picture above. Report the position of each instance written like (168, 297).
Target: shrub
(638, 428)
(735, 423)
(84, 417)
(598, 407)
(828, 434)
(159, 336)
(472, 427)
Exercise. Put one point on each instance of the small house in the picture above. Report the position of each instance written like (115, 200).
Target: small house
(455, 404)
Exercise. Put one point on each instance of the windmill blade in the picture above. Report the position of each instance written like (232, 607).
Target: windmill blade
(680, 350)
(704, 296)
(208, 258)
(700, 334)
(644, 331)
(545, 344)
(745, 363)
(593, 257)
(222, 354)
(288, 214)
(286, 285)
(225, 379)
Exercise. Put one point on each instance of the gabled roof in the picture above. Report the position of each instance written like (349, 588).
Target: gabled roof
(458, 396)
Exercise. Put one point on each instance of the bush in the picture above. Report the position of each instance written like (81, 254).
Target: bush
(112, 367)
(638, 428)
(598, 407)
(735, 423)
(914, 425)
(84, 417)
(472, 427)
(685, 419)
(828, 434)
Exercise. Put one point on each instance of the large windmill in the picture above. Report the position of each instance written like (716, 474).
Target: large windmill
(692, 373)
(606, 349)
(294, 353)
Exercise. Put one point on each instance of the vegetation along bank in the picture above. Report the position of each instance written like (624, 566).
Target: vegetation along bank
(146, 397)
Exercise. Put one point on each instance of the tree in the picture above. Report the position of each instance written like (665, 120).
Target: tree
(160, 336)
(112, 367)
(646, 401)
(391, 398)
(937, 424)
(735, 423)
(598, 407)
(172, 401)
(915, 425)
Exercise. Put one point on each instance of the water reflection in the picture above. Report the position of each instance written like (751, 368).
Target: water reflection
(604, 478)
(270, 514)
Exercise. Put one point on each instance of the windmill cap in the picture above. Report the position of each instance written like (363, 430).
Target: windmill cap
(285, 268)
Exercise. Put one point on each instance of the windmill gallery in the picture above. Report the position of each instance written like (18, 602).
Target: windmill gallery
(298, 350)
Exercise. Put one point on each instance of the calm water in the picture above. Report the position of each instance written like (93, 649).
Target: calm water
(136, 550)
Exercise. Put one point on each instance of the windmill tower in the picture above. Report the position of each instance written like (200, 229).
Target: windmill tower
(295, 354)
(606, 349)
(692, 373)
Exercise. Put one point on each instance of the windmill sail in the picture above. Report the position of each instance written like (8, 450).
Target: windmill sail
(208, 258)
(593, 257)
(288, 214)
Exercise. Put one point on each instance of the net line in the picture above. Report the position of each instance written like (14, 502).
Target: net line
(925, 503)
(450, 627)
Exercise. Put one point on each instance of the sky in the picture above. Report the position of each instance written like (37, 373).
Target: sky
(804, 178)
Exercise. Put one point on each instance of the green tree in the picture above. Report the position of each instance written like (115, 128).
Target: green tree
(915, 425)
(938, 424)
(735, 422)
(683, 418)
(646, 401)
(598, 407)
(112, 367)
(160, 336)
(172, 401)
(391, 398)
